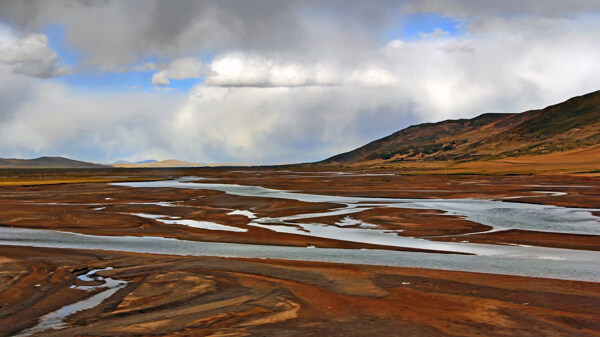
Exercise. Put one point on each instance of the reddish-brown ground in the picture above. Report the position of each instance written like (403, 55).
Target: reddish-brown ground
(190, 296)
(532, 238)
(27, 206)
(577, 161)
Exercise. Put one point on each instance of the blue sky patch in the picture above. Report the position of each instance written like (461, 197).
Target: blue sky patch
(413, 27)
(58, 43)
(88, 78)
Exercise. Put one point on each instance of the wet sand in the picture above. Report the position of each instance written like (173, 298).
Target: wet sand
(185, 296)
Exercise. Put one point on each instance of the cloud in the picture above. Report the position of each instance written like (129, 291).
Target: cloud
(239, 69)
(50, 118)
(436, 33)
(551, 8)
(31, 56)
(277, 124)
(114, 34)
(259, 108)
(286, 81)
(179, 69)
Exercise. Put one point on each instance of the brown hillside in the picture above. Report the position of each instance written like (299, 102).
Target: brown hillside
(574, 124)
(45, 162)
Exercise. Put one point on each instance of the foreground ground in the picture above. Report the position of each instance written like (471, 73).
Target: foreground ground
(189, 296)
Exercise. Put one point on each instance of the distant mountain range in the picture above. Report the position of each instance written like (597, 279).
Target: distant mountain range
(137, 162)
(564, 127)
(61, 162)
(156, 163)
(172, 163)
(46, 162)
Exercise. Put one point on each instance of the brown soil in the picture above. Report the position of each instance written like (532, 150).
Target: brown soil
(581, 161)
(191, 296)
(410, 222)
(34, 207)
(532, 238)
(29, 206)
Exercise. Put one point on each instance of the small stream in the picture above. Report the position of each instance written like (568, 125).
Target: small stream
(55, 319)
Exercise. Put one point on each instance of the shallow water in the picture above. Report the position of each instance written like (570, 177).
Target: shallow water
(247, 214)
(55, 319)
(508, 260)
(190, 223)
(498, 214)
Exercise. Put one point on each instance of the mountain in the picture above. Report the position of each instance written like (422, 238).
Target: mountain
(46, 162)
(173, 163)
(137, 162)
(154, 163)
(567, 126)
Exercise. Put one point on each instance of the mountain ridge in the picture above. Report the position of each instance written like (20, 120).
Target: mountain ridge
(572, 124)
(46, 162)
(171, 163)
(157, 163)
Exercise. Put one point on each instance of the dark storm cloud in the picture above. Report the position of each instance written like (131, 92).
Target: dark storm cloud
(113, 34)
(121, 33)
(552, 8)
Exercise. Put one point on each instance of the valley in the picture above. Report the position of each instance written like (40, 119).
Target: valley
(256, 245)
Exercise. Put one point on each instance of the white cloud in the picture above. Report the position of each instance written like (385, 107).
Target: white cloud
(179, 69)
(276, 124)
(31, 56)
(50, 118)
(238, 69)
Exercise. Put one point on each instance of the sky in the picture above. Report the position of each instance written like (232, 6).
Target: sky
(271, 81)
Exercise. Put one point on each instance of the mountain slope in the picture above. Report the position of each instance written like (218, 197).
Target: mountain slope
(46, 162)
(569, 125)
